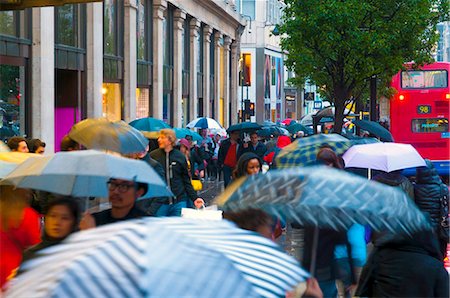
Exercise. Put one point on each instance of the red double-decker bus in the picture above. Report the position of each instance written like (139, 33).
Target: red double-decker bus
(419, 112)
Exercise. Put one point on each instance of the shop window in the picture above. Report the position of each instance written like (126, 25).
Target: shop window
(112, 101)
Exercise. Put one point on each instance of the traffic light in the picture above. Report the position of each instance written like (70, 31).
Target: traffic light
(252, 109)
(247, 105)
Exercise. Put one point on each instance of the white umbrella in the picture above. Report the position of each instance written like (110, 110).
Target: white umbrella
(204, 122)
(386, 157)
(83, 173)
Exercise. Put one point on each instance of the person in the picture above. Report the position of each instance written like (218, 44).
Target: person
(18, 144)
(36, 146)
(177, 175)
(19, 229)
(396, 179)
(61, 220)
(270, 156)
(431, 195)
(254, 146)
(405, 267)
(196, 166)
(122, 196)
(248, 164)
(214, 168)
(227, 156)
(206, 148)
(68, 144)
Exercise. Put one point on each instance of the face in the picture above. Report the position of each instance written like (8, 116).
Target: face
(59, 222)
(254, 138)
(203, 132)
(253, 167)
(234, 135)
(122, 193)
(40, 150)
(22, 147)
(183, 149)
(163, 141)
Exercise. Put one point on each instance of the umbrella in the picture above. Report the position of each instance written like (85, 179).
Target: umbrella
(149, 124)
(6, 168)
(386, 157)
(304, 150)
(375, 128)
(204, 122)
(244, 127)
(296, 127)
(272, 131)
(183, 132)
(269, 123)
(83, 174)
(3, 147)
(161, 257)
(327, 198)
(10, 160)
(103, 134)
(288, 121)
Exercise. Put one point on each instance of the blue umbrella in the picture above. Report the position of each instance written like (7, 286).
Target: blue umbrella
(84, 173)
(183, 132)
(149, 124)
(204, 122)
(375, 128)
(161, 257)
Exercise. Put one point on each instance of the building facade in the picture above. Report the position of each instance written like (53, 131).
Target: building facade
(121, 59)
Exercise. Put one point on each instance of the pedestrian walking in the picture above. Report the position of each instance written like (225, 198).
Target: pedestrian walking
(254, 146)
(227, 156)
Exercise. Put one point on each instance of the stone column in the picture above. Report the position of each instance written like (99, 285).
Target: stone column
(159, 6)
(178, 20)
(130, 63)
(207, 31)
(94, 58)
(234, 83)
(43, 78)
(217, 76)
(193, 100)
(226, 81)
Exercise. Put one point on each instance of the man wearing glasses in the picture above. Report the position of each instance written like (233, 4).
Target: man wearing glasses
(122, 196)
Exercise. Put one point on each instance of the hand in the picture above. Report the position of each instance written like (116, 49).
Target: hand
(87, 221)
(199, 203)
(245, 145)
(312, 288)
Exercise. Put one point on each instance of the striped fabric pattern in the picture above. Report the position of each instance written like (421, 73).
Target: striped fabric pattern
(204, 122)
(304, 150)
(328, 198)
(160, 257)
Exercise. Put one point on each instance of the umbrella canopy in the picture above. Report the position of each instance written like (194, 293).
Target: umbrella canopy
(10, 160)
(386, 157)
(204, 122)
(269, 123)
(84, 173)
(267, 131)
(149, 124)
(304, 150)
(327, 198)
(288, 121)
(375, 128)
(296, 127)
(244, 127)
(6, 168)
(183, 132)
(161, 257)
(103, 134)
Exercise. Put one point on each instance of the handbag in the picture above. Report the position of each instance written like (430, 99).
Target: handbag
(197, 185)
(203, 213)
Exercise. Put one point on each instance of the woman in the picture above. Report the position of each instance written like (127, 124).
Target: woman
(248, 164)
(61, 220)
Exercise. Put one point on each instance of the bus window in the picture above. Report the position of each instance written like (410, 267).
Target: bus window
(424, 79)
(429, 125)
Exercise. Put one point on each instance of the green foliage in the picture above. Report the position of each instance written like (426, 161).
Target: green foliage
(340, 44)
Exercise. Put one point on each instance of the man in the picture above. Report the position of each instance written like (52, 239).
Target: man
(227, 158)
(207, 149)
(18, 144)
(36, 146)
(254, 146)
(122, 196)
(68, 144)
(177, 175)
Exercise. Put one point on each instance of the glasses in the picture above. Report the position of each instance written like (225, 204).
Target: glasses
(122, 188)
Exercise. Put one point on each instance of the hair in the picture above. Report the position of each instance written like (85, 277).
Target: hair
(249, 219)
(34, 144)
(13, 142)
(329, 157)
(12, 205)
(241, 167)
(170, 134)
(68, 144)
(71, 204)
(144, 186)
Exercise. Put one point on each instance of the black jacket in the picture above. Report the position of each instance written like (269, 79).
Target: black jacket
(260, 150)
(177, 173)
(223, 150)
(397, 180)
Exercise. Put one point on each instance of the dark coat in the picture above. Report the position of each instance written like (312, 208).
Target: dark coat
(223, 150)
(397, 180)
(260, 150)
(155, 165)
(177, 173)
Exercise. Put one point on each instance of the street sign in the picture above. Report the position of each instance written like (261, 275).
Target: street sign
(22, 4)
(309, 96)
(317, 104)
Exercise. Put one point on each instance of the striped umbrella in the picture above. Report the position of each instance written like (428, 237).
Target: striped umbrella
(204, 122)
(326, 198)
(304, 150)
(160, 257)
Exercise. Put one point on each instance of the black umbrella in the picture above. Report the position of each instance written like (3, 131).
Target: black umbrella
(375, 128)
(244, 127)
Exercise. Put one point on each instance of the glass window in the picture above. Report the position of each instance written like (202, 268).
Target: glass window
(7, 23)
(110, 27)
(141, 31)
(111, 102)
(424, 79)
(67, 18)
(142, 102)
(427, 125)
(274, 72)
(248, 8)
(12, 101)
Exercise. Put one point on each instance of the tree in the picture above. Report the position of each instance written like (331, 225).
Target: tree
(340, 44)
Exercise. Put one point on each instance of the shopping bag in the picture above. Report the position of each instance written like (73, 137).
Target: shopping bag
(196, 185)
(203, 213)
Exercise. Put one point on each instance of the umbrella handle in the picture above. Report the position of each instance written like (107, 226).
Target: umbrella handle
(312, 267)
